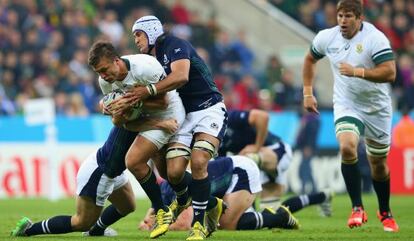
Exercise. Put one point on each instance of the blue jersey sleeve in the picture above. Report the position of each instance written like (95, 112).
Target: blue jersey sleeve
(178, 49)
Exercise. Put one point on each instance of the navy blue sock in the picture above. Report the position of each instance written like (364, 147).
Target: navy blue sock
(200, 191)
(382, 188)
(298, 202)
(109, 216)
(250, 221)
(55, 225)
(152, 189)
(181, 189)
(352, 177)
(256, 220)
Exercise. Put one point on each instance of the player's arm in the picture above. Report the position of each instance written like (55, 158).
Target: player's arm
(180, 70)
(384, 72)
(159, 102)
(260, 120)
(308, 75)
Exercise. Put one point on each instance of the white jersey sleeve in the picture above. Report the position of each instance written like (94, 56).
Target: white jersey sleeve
(319, 44)
(146, 69)
(380, 48)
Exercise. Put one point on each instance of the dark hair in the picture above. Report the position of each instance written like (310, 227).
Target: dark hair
(99, 50)
(354, 6)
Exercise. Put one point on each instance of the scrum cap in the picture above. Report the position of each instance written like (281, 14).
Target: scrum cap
(151, 26)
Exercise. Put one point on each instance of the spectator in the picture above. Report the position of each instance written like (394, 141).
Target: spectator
(403, 132)
(306, 142)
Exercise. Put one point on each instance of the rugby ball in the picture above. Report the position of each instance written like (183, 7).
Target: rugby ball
(135, 111)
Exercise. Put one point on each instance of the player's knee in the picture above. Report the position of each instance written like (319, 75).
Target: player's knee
(128, 208)
(379, 170)
(175, 176)
(137, 168)
(348, 150)
(199, 167)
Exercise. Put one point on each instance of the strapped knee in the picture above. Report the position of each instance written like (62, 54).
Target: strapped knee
(377, 151)
(206, 146)
(349, 124)
(342, 127)
(178, 151)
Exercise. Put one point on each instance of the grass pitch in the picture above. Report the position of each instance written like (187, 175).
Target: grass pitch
(313, 227)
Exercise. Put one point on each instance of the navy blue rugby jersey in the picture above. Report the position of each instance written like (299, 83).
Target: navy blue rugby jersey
(111, 156)
(240, 133)
(200, 92)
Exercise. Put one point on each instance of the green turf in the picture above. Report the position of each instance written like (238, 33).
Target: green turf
(313, 227)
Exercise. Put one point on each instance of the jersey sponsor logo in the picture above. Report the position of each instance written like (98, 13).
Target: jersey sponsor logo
(382, 135)
(214, 126)
(347, 46)
(359, 48)
(177, 50)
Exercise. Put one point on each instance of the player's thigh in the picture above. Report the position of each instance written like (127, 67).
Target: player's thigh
(238, 203)
(141, 150)
(87, 213)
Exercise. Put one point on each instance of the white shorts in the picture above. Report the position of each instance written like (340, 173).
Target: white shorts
(377, 126)
(212, 121)
(282, 166)
(246, 176)
(93, 183)
(175, 110)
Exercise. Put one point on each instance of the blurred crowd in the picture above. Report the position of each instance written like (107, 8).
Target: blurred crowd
(395, 18)
(44, 46)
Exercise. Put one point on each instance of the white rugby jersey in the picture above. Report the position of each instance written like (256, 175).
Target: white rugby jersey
(369, 47)
(143, 69)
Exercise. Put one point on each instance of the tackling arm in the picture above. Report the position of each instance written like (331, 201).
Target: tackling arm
(260, 120)
(180, 70)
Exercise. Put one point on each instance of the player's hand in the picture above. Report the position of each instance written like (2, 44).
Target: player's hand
(104, 109)
(121, 106)
(310, 104)
(346, 69)
(137, 93)
(169, 125)
(252, 148)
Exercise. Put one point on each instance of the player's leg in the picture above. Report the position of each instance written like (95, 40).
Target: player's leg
(142, 149)
(271, 195)
(123, 203)
(377, 155)
(178, 156)
(348, 130)
(204, 149)
(87, 212)
(239, 202)
(136, 161)
(274, 187)
(297, 203)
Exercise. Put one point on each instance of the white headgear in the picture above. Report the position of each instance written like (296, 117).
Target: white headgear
(151, 26)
